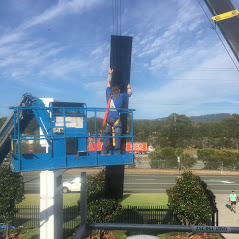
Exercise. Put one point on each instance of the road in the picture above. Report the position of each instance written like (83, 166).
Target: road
(150, 183)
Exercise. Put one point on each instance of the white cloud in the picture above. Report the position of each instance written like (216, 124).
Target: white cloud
(63, 7)
(182, 96)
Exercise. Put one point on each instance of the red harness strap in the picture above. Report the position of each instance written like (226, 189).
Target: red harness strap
(106, 113)
(104, 121)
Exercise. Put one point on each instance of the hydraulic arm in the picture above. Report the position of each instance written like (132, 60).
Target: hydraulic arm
(8, 128)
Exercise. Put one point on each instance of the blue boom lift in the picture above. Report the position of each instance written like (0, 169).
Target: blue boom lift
(64, 127)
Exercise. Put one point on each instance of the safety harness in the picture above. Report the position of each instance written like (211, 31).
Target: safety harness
(104, 121)
(111, 105)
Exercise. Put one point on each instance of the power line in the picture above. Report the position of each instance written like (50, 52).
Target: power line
(113, 16)
(218, 35)
(188, 68)
(166, 79)
(120, 17)
(116, 16)
(161, 79)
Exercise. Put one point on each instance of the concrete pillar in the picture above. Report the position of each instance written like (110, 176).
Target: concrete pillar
(51, 205)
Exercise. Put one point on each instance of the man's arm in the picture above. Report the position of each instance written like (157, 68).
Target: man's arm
(110, 71)
(129, 90)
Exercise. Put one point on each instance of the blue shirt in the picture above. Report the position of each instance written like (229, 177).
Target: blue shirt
(116, 103)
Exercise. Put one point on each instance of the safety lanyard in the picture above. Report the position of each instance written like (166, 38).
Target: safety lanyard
(104, 121)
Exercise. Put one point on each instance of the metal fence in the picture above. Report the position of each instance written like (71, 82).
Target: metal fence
(147, 215)
(29, 216)
(154, 215)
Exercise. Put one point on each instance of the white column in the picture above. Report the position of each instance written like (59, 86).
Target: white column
(51, 205)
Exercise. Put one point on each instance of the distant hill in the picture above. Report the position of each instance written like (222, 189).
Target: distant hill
(210, 118)
(206, 118)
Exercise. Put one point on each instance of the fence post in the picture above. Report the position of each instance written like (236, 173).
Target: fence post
(213, 219)
(81, 232)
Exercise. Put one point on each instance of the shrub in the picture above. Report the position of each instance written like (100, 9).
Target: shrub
(103, 210)
(11, 193)
(95, 186)
(190, 200)
(100, 208)
(216, 159)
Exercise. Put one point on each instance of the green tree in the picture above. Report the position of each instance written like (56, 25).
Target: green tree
(11, 193)
(91, 125)
(2, 121)
(190, 200)
(179, 152)
(216, 159)
(187, 161)
(209, 159)
(163, 158)
(168, 154)
(179, 130)
(32, 128)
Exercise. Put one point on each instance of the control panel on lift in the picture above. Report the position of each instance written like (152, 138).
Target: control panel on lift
(69, 121)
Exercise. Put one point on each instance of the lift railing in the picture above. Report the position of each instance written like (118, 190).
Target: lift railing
(54, 131)
(49, 135)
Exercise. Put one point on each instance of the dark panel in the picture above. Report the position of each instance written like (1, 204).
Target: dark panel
(114, 181)
(71, 145)
(229, 27)
(120, 61)
(66, 104)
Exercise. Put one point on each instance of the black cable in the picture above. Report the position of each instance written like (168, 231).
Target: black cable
(218, 35)
(134, 68)
(120, 17)
(113, 16)
(117, 17)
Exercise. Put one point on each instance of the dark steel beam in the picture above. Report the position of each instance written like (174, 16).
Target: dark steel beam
(229, 27)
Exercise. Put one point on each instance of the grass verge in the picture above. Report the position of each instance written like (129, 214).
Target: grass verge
(69, 199)
(141, 199)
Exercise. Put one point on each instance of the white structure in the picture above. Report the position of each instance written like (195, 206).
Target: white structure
(43, 142)
(51, 205)
(51, 197)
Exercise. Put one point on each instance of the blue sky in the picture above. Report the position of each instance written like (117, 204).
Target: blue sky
(60, 49)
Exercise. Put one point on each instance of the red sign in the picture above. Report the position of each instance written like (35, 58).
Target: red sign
(136, 147)
(142, 147)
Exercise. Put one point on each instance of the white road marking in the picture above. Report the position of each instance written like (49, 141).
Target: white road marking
(226, 182)
(220, 181)
(145, 179)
